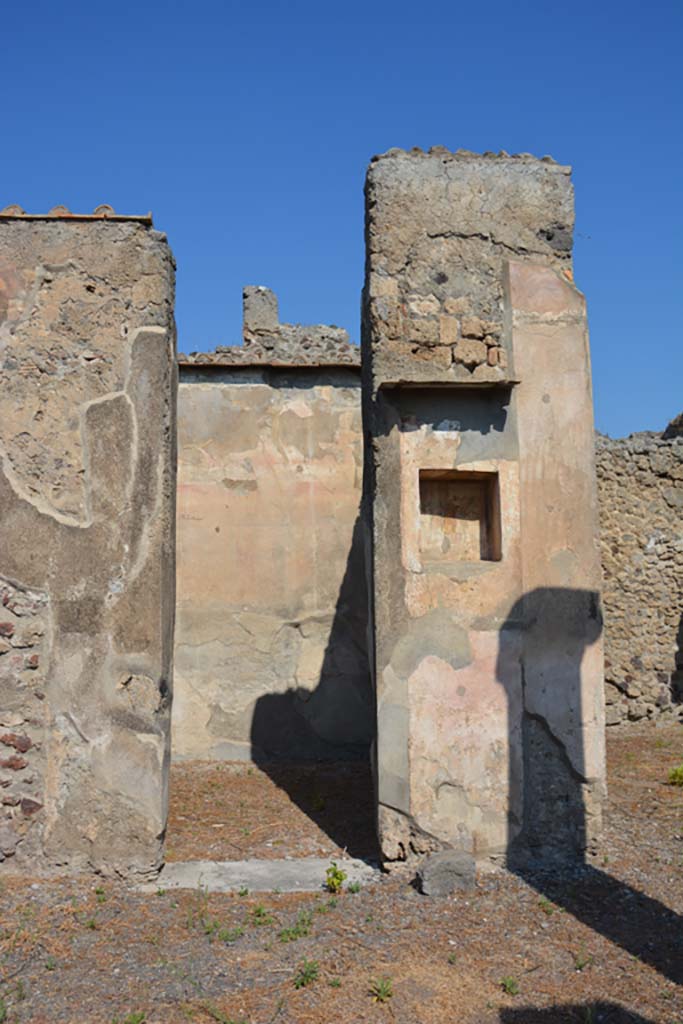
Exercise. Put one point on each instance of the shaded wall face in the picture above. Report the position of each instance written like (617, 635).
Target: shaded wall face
(640, 481)
(271, 613)
(87, 436)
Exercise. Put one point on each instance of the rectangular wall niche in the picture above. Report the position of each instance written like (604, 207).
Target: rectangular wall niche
(459, 516)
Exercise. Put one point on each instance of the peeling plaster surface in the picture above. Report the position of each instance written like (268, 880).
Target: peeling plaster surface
(488, 667)
(87, 547)
(270, 653)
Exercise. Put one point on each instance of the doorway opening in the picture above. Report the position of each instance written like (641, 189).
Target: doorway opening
(273, 713)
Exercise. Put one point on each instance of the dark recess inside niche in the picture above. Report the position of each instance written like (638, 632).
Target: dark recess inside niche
(459, 516)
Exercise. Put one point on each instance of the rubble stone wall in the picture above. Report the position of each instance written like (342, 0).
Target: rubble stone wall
(640, 480)
(87, 547)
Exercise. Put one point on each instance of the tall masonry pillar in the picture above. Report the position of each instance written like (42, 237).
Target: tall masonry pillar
(87, 540)
(480, 511)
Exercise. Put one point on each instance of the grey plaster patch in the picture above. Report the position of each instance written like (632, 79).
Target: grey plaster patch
(305, 875)
(435, 633)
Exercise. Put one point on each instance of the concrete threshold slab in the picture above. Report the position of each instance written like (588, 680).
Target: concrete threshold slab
(304, 875)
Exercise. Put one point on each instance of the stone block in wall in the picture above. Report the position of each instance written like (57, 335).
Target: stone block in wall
(87, 491)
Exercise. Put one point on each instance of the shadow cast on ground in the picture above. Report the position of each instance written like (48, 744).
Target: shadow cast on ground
(315, 745)
(552, 777)
(575, 1013)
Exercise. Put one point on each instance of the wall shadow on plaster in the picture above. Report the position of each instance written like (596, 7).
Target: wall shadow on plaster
(548, 783)
(480, 416)
(279, 377)
(315, 744)
(574, 1013)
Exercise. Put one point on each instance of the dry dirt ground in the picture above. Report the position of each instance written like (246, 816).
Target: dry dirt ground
(602, 946)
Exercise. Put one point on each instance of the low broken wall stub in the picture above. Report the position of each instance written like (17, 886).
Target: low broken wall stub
(467, 289)
(87, 493)
(271, 617)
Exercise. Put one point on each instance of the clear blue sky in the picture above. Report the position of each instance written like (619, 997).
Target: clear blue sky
(246, 129)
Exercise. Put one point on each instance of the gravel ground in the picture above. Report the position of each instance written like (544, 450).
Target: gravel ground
(603, 945)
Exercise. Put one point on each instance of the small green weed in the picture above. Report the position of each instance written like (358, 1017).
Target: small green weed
(298, 930)
(92, 924)
(381, 990)
(50, 964)
(452, 958)
(334, 878)
(676, 776)
(215, 1014)
(335, 982)
(353, 887)
(581, 960)
(198, 912)
(260, 915)
(510, 986)
(243, 891)
(307, 973)
(214, 930)
(546, 906)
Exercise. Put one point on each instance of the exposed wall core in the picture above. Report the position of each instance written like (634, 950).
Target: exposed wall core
(270, 634)
(87, 489)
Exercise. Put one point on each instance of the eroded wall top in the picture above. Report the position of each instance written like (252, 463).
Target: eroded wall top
(267, 342)
(438, 227)
(73, 290)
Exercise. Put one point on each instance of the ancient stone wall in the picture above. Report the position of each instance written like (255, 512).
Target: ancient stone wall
(481, 510)
(87, 493)
(271, 660)
(640, 480)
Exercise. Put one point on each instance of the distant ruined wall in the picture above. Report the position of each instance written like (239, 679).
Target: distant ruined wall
(270, 631)
(87, 491)
(640, 481)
